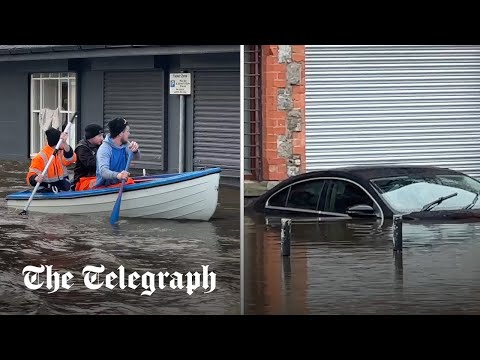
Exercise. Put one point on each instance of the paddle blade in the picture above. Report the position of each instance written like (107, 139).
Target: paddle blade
(116, 210)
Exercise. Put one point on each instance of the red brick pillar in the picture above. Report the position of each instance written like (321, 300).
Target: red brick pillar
(283, 95)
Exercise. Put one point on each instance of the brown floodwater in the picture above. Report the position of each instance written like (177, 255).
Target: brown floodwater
(70, 243)
(349, 267)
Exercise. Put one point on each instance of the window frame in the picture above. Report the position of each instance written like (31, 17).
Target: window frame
(330, 185)
(287, 188)
(302, 182)
(326, 186)
(40, 77)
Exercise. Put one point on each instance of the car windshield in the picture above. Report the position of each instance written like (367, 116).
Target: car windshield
(411, 193)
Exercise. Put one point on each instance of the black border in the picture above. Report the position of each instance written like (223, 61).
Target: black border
(243, 23)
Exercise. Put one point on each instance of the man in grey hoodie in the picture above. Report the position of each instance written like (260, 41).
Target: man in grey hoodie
(113, 154)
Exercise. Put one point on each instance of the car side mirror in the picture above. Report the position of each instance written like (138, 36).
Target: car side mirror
(361, 210)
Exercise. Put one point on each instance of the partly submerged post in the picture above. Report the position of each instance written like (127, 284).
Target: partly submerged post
(286, 236)
(397, 233)
(398, 256)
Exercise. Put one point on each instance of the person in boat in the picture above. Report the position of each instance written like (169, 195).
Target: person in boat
(85, 176)
(56, 178)
(113, 154)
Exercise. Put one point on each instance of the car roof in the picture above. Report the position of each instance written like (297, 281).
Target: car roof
(380, 171)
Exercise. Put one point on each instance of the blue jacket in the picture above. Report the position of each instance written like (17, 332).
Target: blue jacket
(112, 160)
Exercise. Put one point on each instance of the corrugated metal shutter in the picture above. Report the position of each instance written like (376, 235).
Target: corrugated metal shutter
(216, 129)
(393, 105)
(139, 97)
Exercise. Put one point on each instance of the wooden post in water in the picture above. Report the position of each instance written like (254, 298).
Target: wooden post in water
(397, 233)
(286, 236)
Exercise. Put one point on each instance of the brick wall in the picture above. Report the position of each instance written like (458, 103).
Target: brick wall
(283, 98)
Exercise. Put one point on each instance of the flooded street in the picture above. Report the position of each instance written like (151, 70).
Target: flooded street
(69, 243)
(348, 267)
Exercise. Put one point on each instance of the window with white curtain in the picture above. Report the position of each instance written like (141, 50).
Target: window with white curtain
(53, 96)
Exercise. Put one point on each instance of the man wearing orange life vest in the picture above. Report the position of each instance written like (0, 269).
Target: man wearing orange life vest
(56, 177)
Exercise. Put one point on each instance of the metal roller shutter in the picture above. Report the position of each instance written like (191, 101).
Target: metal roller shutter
(139, 97)
(393, 105)
(216, 129)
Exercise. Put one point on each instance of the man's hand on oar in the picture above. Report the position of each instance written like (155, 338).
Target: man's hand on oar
(40, 178)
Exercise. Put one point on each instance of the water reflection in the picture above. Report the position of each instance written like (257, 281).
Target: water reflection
(349, 267)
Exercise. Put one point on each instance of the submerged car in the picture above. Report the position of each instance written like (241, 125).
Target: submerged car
(374, 192)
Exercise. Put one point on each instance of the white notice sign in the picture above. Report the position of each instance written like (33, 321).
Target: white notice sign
(180, 84)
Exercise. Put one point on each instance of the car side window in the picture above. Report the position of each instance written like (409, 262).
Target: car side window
(344, 194)
(304, 195)
(280, 198)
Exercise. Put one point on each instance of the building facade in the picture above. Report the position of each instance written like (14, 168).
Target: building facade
(322, 106)
(39, 83)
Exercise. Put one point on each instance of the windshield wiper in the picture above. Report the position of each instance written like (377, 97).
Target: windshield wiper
(431, 205)
(472, 204)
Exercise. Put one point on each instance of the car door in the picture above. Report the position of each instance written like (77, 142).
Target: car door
(341, 195)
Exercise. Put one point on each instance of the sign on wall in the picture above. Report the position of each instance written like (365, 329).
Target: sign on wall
(180, 84)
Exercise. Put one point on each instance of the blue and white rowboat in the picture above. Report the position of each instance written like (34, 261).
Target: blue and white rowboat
(189, 196)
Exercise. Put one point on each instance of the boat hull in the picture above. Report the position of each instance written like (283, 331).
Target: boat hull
(188, 196)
